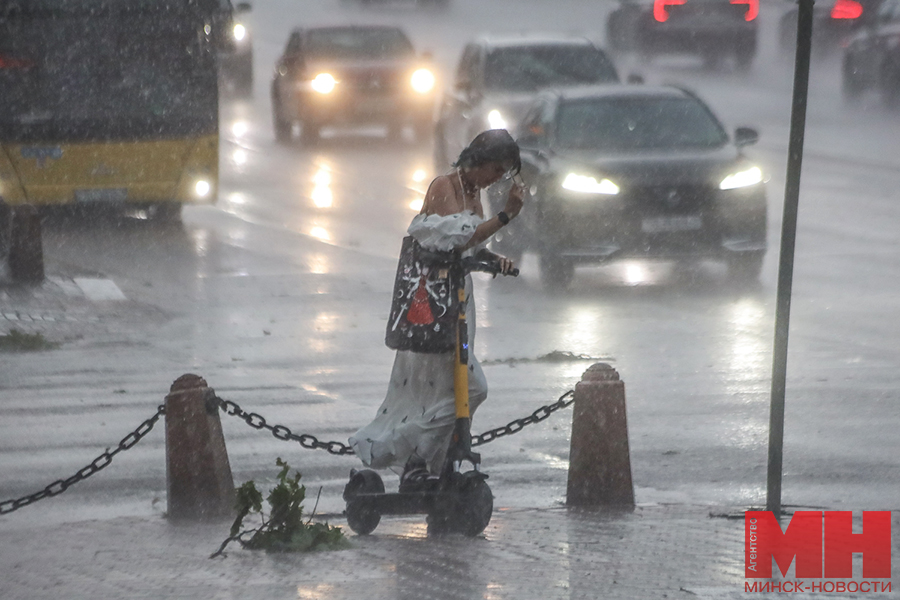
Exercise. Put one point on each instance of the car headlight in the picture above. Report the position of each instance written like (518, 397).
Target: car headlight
(587, 184)
(202, 188)
(744, 178)
(422, 81)
(239, 32)
(323, 83)
(495, 120)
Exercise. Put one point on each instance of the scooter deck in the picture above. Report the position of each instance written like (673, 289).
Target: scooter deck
(399, 503)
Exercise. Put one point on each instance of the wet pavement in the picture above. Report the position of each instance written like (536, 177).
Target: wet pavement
(525, 554)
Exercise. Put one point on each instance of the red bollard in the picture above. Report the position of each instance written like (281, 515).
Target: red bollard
(599, 458)
(198, 476)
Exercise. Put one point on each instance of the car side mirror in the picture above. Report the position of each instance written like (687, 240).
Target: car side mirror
(243, 7)
(745, 136)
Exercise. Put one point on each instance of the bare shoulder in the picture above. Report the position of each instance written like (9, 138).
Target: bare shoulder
(441, 197)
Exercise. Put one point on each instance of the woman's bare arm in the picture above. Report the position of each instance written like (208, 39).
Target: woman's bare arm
(441, 199)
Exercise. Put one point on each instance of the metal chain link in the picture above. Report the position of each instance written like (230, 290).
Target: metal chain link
(310, 442)
(281, 432)
(99, 463)
(515, 426)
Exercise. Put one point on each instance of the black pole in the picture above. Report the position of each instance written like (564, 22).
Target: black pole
(786, 261)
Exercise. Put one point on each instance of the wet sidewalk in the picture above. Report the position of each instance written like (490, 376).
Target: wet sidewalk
(525, 554)
(654, 552)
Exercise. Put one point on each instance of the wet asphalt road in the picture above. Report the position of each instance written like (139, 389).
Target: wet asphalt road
(278, 296)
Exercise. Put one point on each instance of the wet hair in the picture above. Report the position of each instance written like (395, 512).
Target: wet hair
(493, 145)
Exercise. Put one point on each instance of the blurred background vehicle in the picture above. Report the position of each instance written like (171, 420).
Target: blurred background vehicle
(834, 22)
(871, 59)
(714, 30)
(498, 76)
(109, 104)
(624, 171)
(236, 51)
(352, 75)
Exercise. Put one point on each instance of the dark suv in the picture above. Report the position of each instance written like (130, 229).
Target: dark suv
(497, 77)
(834, 23)
(711, 29)
(626, 171)
(351, 76)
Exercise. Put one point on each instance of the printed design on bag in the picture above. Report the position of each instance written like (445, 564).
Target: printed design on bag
(427, 296)
(420, 309)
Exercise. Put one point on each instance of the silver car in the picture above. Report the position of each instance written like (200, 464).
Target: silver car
(497, 77)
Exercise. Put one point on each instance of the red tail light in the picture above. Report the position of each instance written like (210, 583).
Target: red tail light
(846, 9)
(752, 8)
(659, 9)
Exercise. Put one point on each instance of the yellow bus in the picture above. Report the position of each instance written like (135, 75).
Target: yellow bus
(110, 102)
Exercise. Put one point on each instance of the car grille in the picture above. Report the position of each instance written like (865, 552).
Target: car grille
(675, 200)
(651, 220)
(374, 83)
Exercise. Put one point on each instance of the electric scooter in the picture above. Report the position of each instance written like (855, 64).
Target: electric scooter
(456, 501)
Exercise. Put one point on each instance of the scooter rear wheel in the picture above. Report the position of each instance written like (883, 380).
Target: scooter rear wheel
(361, 516)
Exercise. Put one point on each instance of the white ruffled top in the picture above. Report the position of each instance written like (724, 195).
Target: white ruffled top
(444, 233)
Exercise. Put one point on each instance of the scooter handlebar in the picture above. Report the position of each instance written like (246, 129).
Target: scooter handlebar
(487, 266)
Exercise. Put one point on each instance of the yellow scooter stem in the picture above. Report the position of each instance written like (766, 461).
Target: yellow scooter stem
(461, 368)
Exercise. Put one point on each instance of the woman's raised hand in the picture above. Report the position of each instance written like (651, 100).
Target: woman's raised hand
(514, 200)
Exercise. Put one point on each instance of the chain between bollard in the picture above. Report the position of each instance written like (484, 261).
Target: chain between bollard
(281, 432)
(101, 462)
(519, 424)
(310, 442)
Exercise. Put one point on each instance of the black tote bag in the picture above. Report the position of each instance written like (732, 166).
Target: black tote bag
(424, 307)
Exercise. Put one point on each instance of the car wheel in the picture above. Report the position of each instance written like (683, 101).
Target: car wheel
(309, 133)
(167, 212)
(281, 125)
(743, 58)
(745, 266)
(243, 78)
(557, 273)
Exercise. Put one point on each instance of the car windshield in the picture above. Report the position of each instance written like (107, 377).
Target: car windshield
(532, 68)
(638, 124)
(358, 43)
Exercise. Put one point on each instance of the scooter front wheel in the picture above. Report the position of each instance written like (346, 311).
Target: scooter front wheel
(466, 509)
(362, 517)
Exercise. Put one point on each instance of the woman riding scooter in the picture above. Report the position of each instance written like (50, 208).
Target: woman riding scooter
(413, 426)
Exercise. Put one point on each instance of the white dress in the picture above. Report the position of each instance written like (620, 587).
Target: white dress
(419, 410)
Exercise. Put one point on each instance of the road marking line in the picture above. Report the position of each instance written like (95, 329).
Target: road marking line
(99, 289)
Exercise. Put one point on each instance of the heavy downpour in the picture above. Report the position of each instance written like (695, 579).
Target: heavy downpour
(240, 241)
